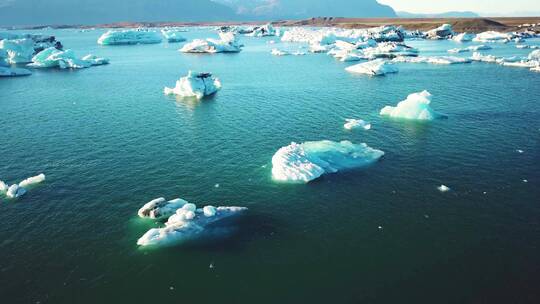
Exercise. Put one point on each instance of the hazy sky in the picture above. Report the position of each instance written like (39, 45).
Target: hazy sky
(478, 6)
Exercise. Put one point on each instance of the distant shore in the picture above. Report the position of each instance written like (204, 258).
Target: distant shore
(474, 25)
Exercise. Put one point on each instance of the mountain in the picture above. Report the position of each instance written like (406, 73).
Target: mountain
(456, 14)
(299, 9)
(60, 12)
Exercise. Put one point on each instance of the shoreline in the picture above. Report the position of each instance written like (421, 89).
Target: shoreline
(473, 25)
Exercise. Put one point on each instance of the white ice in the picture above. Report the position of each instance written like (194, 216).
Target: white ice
(263, 31)
(493, 36)
(377, 67)
(160, 208)
(432, 60)
(308, 161)
(129, 36)
(351, 124)
(32, 180)
(18, 50)
(442, 32)
(52, 57)
(15, 191)
(226, 44)
(463, 37)
(195, 85)
(443, 188)
(415, 107)
(189, 223)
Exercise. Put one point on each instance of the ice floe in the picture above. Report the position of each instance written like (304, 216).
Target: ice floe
(227, 43)
(415, 107)
(351, 124)
(130, 36)
(377, 67)
(189, 222)
(160, 208)
(17, 190)
(51, 57)
(470, 48)
(195, 85)
(307, 161)
(432, 60)
(172, 35)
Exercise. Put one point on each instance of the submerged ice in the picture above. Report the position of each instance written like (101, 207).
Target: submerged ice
(415, 107)
(307, 161)
(195, 85)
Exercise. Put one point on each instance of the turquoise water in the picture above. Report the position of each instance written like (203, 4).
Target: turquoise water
(109, 141)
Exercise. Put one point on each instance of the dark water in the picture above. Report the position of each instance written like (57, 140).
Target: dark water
(109, 141)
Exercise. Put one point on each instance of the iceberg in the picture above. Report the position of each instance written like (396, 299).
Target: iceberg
(351, 124)
(173, 35)
(32, 180)
(195, 85)
(13, 72)
(463, 37)
(415, 107)
(432, 60)
(534, 55)
(492, 36)
(131, 36)
(51, 57)
(377, 67)
(18, 50)
(263, 31)
(189, 223)
(443, 188)
(160, 208)
(277, 52)
(442, 32)
(307, 161)
(3, 186)
(226, 44)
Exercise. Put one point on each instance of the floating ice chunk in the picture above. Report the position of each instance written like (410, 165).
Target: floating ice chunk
(432, 60)
(308, 161)
(536, 68)
(492, 36)
(443, 188)
(187, 225)
(159, 208)
(15, 191)
(131, 36)
(227, 44)
(351, 124)
(534, 55)
(173, 35)
(415, 107)
(442, 32)
(263, 31)
(3, 187)
(277, 52)
(484, 58)
(209, 210)
(51, 57)
(18, 50)
(377, 67)
(464, 37)
(195, 85)
(32, 180)
(12, 72)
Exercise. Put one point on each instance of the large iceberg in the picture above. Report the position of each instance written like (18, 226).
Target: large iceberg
(442, 32)
(415, 107)
(377, 67)
(160, 208)
(173, 35)
(308, 161)
(190, 222)
(52, 57)
(226, 44)
(131, 36)
(195, 85)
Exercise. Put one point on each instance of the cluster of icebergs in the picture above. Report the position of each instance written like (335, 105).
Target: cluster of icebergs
(184, 221)
(196, 85)
(18, 190)
(227, 43)
(532, 61)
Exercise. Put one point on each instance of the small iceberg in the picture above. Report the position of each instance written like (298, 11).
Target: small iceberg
(492, 36)
(263, 31)
(172, 35)
(190, 222)
(415, 107)
(131, 36)
(52, 57)
(443, 188)
(463, 37)
(377, 67)
(442, 32)
(226, 44)
(160, 208)
(18, 190)
(308, 161)
(351, 124)
(277, 52)
(195, 85)
(432, 60)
